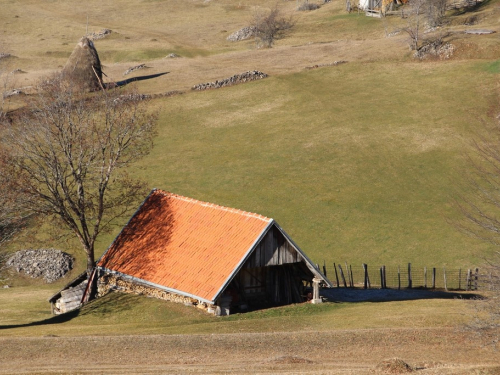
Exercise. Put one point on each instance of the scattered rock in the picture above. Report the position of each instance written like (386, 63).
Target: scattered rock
(237, 78)
(479, 32)
(6, 286)
(99, 34)
(49, 264)
(242, 34)
(394, 366)
(13, 92)
(17, 71)
(172, 55)
(4, 55)
(134, 68)
(335, 63)
(437, 49)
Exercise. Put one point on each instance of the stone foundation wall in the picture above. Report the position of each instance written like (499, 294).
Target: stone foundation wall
(109, 282)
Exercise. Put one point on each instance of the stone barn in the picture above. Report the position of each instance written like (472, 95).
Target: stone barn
(217, 258)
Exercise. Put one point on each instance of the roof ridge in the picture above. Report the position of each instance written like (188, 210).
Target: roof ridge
(215, 206)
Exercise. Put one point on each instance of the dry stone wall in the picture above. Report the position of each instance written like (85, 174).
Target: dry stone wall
(237, 78)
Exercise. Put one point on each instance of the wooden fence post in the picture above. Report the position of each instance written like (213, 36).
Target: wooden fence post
(336, 275)
(425, 277)
(348, 275)
(410, 283)
(342, 276)
(352, 277)
(460, 279)
(433, 278)
(384, 277)
(365, 270)
(468, 281)
(444, 275)
(476, 276)
(399, 279)
(381, 278)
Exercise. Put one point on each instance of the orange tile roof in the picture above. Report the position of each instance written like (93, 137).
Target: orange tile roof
(184, 244)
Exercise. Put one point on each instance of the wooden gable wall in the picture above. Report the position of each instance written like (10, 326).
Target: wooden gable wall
(273, 250)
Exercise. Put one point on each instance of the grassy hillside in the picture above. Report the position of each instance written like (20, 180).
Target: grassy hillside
(357, 162)
(24, 312)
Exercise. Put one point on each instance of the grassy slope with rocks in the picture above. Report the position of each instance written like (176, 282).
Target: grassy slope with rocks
(357, 162)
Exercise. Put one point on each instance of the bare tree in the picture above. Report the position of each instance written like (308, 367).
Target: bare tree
(436, 10)
(415, 12)
(480, 218)
(70, 150)
(271, 26)
(12, 218)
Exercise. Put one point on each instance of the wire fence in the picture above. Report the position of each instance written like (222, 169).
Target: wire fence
(407, 276)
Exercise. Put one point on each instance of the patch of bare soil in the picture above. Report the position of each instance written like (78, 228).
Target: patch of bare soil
(330, 352)
(290, 359)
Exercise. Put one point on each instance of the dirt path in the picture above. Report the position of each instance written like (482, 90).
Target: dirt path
(434, 351)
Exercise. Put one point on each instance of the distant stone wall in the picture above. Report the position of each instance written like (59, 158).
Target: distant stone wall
(237, 78)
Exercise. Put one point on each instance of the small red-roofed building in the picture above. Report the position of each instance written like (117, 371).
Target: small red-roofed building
(218, 258)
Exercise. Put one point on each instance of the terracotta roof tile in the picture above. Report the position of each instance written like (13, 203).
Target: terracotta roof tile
(184, 244)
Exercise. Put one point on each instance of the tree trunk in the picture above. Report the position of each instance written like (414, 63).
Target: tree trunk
(90, 261)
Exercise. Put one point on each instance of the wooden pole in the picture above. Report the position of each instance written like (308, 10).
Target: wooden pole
(352, 278)
(381, 278)
(342, 276)
(444, 275)
(399, 278)
(410, 282)
(365, 270)
(425, 277)
(460, 279)
(348, 275)
(384, 277)
(336, 275)
(468, 281)
(433, 278)
(476, 277)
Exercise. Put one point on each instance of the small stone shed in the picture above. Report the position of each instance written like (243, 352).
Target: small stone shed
(217, 258)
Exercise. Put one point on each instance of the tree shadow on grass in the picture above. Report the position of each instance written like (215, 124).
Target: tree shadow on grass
(390, 295)
(57, 319)
(135, 79)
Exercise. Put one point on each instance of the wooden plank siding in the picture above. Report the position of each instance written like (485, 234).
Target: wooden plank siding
(273, 250)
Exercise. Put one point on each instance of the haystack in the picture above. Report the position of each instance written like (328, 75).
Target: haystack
(83, 68)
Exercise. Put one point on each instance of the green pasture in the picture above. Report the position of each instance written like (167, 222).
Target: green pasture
(24, 311)
(358, 162)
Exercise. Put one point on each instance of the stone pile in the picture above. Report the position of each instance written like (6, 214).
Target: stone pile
(335, 63)
(242, 34)
(4, 55)
(437, 49)
(237, 78)
(49, 264)
(99, 34)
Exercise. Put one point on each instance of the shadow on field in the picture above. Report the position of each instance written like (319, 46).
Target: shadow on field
(387, 295)
(53, 320)
(135, 79)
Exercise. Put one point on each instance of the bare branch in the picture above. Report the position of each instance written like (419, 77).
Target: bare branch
(70, 150)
